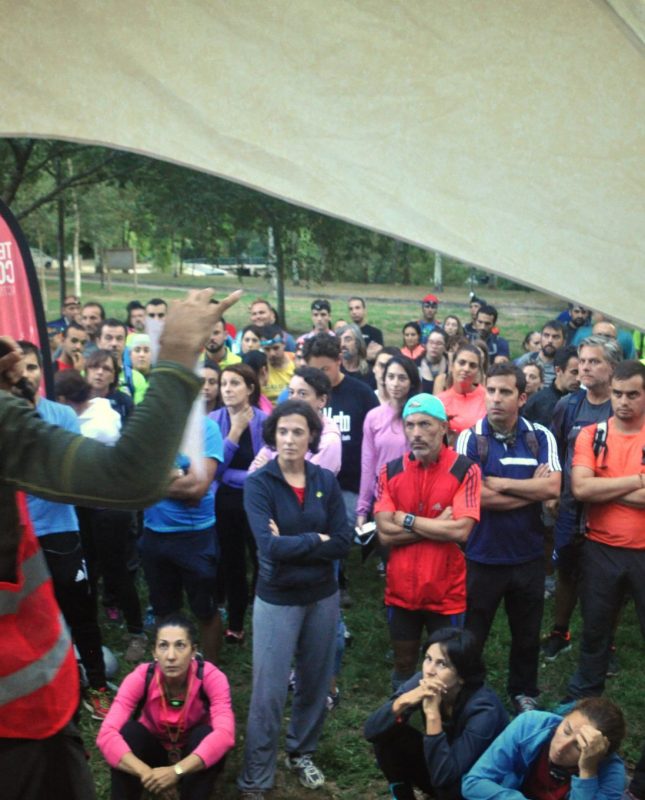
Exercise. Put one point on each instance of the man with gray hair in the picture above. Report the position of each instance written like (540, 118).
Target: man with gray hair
(597, 359)
(354, 355)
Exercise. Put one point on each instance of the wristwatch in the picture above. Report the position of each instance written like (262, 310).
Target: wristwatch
(179, 770)
(408, 521)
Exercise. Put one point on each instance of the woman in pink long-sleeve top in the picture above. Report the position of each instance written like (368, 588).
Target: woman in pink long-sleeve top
(312, 386)
(184, 724)
(383, 435)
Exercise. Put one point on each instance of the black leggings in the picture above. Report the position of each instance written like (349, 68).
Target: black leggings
(235, 539)
(196, 786)
(400, 756)
(105, 535)
(76, 599)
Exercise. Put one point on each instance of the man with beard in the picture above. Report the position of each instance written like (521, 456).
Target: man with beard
(484, 328)
(427, 505)
(71, 349)
(354, 355)
(597, 359)
(540, 406)
(610, 481)
(216, 349)
(56, 526)
(92, 315)
(551, 338)
(576, 318)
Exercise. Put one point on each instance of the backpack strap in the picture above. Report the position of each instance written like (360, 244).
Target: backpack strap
(482, 447)
(200, 677)
(600, 438)
(394, 467)
(530, 439)
(150, 671)
(461, 467)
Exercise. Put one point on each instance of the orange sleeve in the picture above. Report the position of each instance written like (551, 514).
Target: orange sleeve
(384, 501)
(583, 453)
(467, 498)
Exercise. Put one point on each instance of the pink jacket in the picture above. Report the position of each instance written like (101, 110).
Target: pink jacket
(219, 716)
(383, 441)
(329, 453)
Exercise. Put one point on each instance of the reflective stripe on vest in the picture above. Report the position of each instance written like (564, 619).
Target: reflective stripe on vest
(35, 573)
(39, 673)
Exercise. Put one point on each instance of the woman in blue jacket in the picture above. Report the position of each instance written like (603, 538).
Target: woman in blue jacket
(240, 422)
(542, 755)
(461, 716)
(296, 512)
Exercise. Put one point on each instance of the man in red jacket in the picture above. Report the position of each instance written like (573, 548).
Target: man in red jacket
(427, 504)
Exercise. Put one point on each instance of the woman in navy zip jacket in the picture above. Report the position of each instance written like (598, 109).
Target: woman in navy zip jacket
(240, 422)
(461, 717)
(296, 512)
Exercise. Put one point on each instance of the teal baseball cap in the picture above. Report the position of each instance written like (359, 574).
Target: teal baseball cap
(425, 404)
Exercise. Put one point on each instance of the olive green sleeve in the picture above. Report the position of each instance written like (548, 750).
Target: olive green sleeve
(52, 463)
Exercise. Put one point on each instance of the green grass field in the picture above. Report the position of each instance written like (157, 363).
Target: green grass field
(344, 756)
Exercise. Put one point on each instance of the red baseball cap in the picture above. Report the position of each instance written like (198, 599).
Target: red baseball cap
(431, 298)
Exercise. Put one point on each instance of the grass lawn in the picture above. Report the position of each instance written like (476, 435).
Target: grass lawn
(344, 755)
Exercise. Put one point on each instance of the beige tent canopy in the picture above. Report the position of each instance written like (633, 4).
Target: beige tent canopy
(507, 133)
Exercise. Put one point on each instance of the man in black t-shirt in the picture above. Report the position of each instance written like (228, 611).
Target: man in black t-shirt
(540, 406)
(373, 337)
(348, 405)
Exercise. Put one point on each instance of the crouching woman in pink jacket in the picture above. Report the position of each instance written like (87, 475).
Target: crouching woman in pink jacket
(171, 722)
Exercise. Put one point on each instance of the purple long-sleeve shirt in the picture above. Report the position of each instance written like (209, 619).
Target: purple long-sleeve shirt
(383, 441)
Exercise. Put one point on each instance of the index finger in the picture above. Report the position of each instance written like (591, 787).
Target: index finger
(222, 306)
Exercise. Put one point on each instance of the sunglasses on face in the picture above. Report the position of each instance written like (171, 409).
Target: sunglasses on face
(429, 305)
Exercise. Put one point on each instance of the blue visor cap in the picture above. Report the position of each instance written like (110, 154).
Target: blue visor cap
(425, 404)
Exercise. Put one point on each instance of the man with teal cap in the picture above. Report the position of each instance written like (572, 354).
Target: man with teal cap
(427, 504)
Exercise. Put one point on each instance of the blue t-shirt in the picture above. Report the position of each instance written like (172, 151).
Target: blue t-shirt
(174, 516)
(47, 516)
(514, 536)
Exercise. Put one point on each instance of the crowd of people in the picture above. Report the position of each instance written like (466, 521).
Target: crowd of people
(471, 462)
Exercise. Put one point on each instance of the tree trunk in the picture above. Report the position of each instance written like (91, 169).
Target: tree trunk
(275, 235)
(438, 272)
(61, 235)
(76, 254)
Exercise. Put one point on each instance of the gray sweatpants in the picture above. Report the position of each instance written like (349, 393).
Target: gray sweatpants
(280, 633)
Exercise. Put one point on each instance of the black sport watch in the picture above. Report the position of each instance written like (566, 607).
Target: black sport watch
(408, 521)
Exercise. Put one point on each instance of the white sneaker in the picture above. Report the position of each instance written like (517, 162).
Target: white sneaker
(308, 773)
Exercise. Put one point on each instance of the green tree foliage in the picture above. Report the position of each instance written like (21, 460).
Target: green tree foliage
(170, 213)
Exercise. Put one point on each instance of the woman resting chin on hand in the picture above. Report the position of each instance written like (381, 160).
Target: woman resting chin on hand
(461, 717)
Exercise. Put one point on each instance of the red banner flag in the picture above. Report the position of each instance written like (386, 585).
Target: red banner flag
(21, 309)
